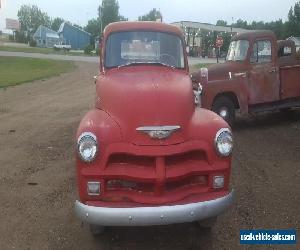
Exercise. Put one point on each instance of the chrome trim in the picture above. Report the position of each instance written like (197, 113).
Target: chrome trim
(204, 73)
(223, 113)
(91, 135)
(158, 132)
(93, 182)
(96, 78)
(148, 216)
(241, 74)
(197, 95)
(222, 130)
(218, 176)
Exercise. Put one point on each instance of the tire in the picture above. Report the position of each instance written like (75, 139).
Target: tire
(97, 230)
(208, 223)
(224, 107)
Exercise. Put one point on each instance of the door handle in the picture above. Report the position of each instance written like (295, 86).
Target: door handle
(241, 74)
(273, 70)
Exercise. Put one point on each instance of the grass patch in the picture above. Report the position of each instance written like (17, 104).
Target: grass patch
(40, 50)
(196, 67)
(17, 70)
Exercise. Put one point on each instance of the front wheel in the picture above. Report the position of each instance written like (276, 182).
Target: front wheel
(224, 107)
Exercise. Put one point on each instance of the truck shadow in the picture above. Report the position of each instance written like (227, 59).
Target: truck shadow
(182, 236)
(264, 120)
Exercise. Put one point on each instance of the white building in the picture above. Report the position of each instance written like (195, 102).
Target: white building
(296, 40)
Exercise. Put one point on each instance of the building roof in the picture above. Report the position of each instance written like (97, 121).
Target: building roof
(44, 30)
(295, 39)
(62, 26)
(208, 27)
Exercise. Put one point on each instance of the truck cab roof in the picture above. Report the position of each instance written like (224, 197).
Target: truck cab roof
(251, 35)
(151, 26)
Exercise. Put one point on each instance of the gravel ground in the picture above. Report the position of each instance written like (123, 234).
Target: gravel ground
(37, 180)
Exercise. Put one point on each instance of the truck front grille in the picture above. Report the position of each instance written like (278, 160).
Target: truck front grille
(161, 178)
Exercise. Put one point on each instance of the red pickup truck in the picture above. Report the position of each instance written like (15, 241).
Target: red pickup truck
(145, 154)
(260, 74)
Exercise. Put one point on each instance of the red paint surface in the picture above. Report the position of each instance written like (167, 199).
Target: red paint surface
(176, 170)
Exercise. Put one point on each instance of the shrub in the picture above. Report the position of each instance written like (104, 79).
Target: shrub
(97, 51)
(88, 49)
(21, 37)
(11, 38)
(32, 43)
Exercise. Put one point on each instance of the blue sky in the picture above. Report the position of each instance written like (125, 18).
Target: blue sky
(173, 10)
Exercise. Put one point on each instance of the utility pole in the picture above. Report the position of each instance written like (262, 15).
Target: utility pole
(231, 24)
(100, 17)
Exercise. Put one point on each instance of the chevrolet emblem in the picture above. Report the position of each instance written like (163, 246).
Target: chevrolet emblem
(159, 132)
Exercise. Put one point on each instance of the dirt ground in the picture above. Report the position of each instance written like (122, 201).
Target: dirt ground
(37, 175)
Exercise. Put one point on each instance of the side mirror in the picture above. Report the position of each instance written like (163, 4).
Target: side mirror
(197, 95)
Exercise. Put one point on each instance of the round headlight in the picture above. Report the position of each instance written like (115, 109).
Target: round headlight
(224, 142)
(87, 147)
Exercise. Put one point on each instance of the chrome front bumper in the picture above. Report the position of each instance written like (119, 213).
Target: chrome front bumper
(147, 216)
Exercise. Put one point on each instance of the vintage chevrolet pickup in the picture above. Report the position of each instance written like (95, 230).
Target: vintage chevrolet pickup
(145, 154)
(260, 74)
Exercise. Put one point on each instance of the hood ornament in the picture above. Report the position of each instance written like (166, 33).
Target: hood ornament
(158, 132)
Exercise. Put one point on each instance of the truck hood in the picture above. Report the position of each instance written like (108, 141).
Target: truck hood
(221, 71)
(140, 96)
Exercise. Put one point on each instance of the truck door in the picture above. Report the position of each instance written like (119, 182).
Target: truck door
(264, 81)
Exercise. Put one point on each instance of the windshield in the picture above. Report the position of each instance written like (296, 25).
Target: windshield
(238, 50)
(144, 47)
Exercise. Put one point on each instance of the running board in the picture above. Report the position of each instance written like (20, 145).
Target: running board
(290, 103)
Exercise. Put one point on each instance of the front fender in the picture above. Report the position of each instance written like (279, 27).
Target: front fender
(236, 87)
(204, 126)
(103, 126)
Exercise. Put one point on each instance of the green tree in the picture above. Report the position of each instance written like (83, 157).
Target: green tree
(31, 17)
(293, 24)
(93, 27)
(122, 18)
(221, 23)
(56, 22)
(77, 26)
(241, 24)
(153, 15)
(108, 12)
(257, 25)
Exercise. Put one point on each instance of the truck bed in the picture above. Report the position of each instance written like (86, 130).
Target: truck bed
(290, 81)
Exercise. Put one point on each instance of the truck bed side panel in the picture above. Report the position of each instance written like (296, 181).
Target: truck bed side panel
(290, 81)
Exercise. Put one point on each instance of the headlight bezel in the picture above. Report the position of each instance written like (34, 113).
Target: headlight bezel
(90, 136)
(218, 134)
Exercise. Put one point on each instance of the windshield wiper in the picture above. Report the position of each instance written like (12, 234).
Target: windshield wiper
(143, 63)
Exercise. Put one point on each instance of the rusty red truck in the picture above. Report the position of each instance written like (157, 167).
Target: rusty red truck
(145, 154)
(260, 74)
